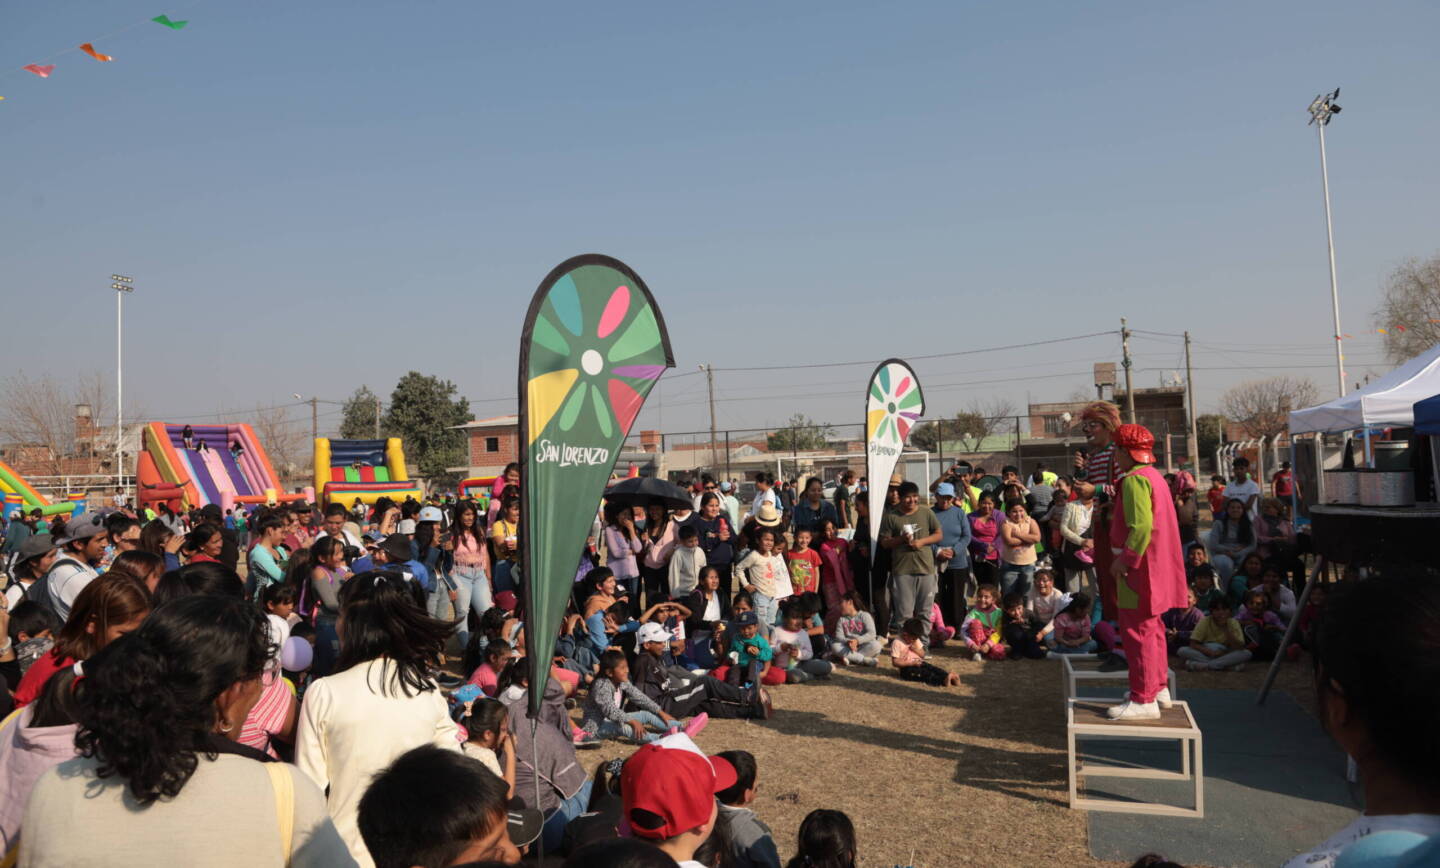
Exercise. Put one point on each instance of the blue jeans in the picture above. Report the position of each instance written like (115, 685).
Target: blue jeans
(765, 608)
(473, 587)
(503, 582)
(1088, 648)
(553, 832)
(805, 670)
(327, 646)
(611, 729)
(1016, 577)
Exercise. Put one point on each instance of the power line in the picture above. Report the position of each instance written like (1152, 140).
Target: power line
(872, 361)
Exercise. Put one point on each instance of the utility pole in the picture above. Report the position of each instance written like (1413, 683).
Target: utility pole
(1322, 109)
(1125, 360)
(314, 418)
(377, 417)
(122, 286)
(1193, 444)
(710, 386)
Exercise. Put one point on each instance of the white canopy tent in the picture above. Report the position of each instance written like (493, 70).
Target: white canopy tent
(1390, 400)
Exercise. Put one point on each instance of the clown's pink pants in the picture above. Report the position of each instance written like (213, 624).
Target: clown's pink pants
(1145, 652)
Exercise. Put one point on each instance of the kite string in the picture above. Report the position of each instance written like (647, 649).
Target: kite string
(75, 48)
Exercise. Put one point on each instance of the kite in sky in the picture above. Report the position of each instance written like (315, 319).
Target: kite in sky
(90, 50)
(165, 19)
(42, 71)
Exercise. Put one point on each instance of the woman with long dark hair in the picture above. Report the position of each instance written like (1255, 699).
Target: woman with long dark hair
(158, 539)
(204, 543)
(1231, 539)
(471, 571)
(158, 772)
(717, 538)
(382, 700)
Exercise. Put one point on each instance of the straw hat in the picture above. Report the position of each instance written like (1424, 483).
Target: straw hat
(768, 516)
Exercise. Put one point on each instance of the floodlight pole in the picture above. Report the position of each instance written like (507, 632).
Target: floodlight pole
(122, 286)
(1321, 111)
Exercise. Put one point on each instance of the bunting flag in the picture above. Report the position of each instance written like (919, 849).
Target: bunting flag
(893, 404)
(42, 71)
(90, 50)
(593, 345)
(165, 20)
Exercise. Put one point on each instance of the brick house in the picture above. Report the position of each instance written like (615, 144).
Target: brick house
(490, 445)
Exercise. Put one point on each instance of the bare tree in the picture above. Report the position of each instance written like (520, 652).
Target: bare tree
(284, 439)
(42, 420)
(1262, 407)
(1410, 309)
(982, 418)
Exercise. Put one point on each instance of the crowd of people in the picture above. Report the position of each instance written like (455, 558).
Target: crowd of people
(291, 684)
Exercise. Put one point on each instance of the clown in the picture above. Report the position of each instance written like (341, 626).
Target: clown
(1099, 421)
(1148, 570)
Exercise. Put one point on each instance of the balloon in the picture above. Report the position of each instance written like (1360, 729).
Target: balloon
(297, 654)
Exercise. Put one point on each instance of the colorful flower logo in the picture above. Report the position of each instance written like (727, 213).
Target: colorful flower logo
(593, 362)
(890, 412)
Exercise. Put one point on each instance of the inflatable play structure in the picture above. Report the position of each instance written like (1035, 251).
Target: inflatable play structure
(367, 469)
(19, 495)
(478, 488)
(183, 477)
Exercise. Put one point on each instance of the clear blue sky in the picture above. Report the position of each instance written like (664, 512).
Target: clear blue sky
(317, 195)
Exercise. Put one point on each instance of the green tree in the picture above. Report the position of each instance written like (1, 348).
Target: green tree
(800, 434)
(424, 411)
(1207, 428)
(357, 420)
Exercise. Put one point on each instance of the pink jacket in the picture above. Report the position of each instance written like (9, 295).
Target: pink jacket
(26, 753)
(1145, 535)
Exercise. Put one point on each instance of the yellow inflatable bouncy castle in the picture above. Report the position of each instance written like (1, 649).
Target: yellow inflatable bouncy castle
(364, 469)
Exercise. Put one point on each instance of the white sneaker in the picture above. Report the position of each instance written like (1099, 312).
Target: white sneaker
(1131, 710)
(976, 657)
(871, 661)
(1163, 698)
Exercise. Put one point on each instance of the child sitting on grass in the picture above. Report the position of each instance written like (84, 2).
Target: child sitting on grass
(907, 655)
(1045, 601)
(982, 626)
(1282, 599)
(1022, 631)
(1072, 628)
(826, 840)
(793, 651)
(1180, 623)
(1205, 591)
(487, 730)
(1262, 627)
(750, 654)
(604, 715)
(749, 840)
(855, 641)
(1216, 642)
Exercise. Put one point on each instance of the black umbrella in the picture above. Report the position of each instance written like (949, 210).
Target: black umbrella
(648, 491)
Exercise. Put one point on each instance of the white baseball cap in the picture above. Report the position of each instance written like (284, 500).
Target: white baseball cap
(651, 632)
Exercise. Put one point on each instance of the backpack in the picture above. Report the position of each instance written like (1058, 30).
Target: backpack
(39, 592)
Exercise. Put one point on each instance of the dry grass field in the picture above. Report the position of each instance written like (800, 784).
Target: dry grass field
(933, 777)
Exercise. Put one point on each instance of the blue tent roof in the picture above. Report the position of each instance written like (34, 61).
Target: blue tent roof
(1427, 416)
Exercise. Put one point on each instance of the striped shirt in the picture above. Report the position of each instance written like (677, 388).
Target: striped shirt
(268, 716)
(1101, 472)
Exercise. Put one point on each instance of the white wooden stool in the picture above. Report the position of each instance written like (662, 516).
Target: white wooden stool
(1086, 719)
(1075, 668)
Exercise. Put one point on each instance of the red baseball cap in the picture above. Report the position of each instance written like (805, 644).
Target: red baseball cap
(674, 780)
(1136, 440)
